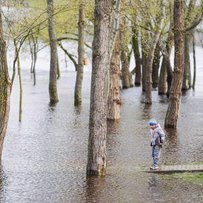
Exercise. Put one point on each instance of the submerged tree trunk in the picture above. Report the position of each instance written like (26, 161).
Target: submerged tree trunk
(169, 81)
(163, 76)
(21, 91)
(54, 56)
(98, 102)
(166, 73)
(5, 88)
(114, 100)
(155, 67)
(194, 62)
(81, 52)
(34, 48)
(135, 44)
(124, 55)
(31, 54)
(148, 69)
(152, 40)
(187, 69)
(148, 77)
(144, 64)
(58, 68)
(34, 63)
(175, 94)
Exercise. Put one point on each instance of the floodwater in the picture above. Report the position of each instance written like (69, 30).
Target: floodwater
(44, 157)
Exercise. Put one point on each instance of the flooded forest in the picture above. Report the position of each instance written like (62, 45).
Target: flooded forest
(101, 101)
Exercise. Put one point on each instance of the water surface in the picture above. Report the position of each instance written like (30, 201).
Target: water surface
(44, 157)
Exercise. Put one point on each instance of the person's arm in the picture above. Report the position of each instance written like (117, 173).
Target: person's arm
(161, 134)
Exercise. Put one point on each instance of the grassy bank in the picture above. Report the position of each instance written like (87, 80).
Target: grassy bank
(195, 178)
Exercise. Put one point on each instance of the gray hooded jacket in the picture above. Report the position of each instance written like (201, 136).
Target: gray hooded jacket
(157, 136)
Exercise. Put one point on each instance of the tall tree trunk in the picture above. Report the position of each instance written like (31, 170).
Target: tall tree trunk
(175, 94)
(81, 52)
(20, 85)
(31, 54)
(34, 62)
(163, 76)
(153, 40)
(194, 62)
(155, 67)
(58, 68)
(114, 100)
(54, 56)
(135, 43)
(144, 63)
(98, 102)
(166, 73)
(34, 48)
(187, 69)
(169, 77)
(5, 88)
(148, 77)
(167, 52)
(115, 23)
(124, 55)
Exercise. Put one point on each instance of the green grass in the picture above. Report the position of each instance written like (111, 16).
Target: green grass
(196, 178)
(197, 163)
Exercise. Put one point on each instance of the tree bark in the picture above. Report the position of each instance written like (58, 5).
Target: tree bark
(175, 94)
(34, 48)
(194, 62)
(35, 61)
(115, 23)
(155, 67)
(114, 100)
(124, 55)
(166, 73)
(98, 102)
(5, 89)
(152, 40)
(144, 63)
(135, 43)
(187, 69)
(21, 91)
(169, 79)
(81, 53)
(58, 68)
(54, 56)
(148, 77)
(163, 76)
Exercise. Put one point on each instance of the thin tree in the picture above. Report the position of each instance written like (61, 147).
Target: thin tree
(194, 61)
(155, 67)
(5, 88)
(81, 52)
(125, 62)
(96, 164)
(166, 73)
(175, 93)
(150, 49)
(114, 100)
(53, 56)
(135, 44)
(189, 21)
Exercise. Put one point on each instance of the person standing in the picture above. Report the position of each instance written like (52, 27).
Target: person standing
(157, 136)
